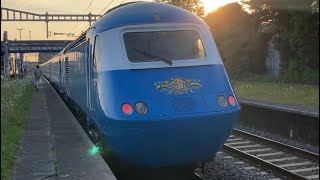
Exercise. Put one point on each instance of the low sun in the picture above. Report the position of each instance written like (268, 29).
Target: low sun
(211, 5)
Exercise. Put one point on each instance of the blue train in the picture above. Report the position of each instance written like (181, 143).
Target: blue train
(150, 79)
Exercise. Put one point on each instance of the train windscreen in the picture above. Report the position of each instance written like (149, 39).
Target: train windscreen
(160, 45)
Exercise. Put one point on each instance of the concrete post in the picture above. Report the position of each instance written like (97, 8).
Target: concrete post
(21, 65)
(17, 60)
(47, 24)
(89, 18)
(6, 53)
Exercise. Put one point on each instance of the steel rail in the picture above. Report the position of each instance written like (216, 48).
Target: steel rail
(263, 163)
(293, 150)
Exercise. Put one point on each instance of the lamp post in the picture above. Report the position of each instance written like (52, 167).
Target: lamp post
(20, 32)
(30, 35)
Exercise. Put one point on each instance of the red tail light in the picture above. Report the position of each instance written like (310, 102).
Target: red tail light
(232, 101)
(126, 109)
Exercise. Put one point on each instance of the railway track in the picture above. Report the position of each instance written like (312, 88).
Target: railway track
(282, 159)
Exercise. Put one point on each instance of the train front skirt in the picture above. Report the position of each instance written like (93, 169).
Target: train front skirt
(169, 142)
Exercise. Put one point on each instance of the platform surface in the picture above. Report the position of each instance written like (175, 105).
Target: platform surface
(54, 145)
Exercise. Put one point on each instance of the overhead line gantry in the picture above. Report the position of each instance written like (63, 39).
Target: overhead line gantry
(8, 14)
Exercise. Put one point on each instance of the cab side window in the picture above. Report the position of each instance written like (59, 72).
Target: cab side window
(97, 54)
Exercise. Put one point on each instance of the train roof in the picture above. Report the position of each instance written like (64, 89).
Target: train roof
(142, 13)
(138, 12)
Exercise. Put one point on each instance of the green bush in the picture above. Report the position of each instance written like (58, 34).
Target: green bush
(298, 72)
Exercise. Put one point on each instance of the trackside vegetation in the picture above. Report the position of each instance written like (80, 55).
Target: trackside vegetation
(16, 96)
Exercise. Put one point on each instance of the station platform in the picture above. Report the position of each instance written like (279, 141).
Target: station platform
(54, 145)
(314, 112)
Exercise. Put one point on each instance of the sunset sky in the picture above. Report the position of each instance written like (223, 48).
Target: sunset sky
(38, 29)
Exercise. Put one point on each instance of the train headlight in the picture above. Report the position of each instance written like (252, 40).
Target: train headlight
(232, 100)
(141, 108)
(222, 101)
(126, 109)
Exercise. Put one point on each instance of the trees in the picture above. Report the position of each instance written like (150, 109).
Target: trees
(194, 6)
(236, 37)
(297, 24)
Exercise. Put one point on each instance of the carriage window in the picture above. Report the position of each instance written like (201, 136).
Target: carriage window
(171, 45)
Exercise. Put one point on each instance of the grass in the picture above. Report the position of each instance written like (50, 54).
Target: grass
(296, 94)
(16, 96)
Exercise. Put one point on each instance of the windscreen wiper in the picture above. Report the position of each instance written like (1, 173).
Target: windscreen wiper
(154, 56)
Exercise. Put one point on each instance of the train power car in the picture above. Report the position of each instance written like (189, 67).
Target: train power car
(150, 79)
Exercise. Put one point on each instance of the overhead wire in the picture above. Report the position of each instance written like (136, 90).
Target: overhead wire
(84, 28)
(82, 13)
(123, 2)
(101, 12)
(20, 8)
(106, 7)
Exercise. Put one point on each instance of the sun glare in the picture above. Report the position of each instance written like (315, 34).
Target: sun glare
(211, 5)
